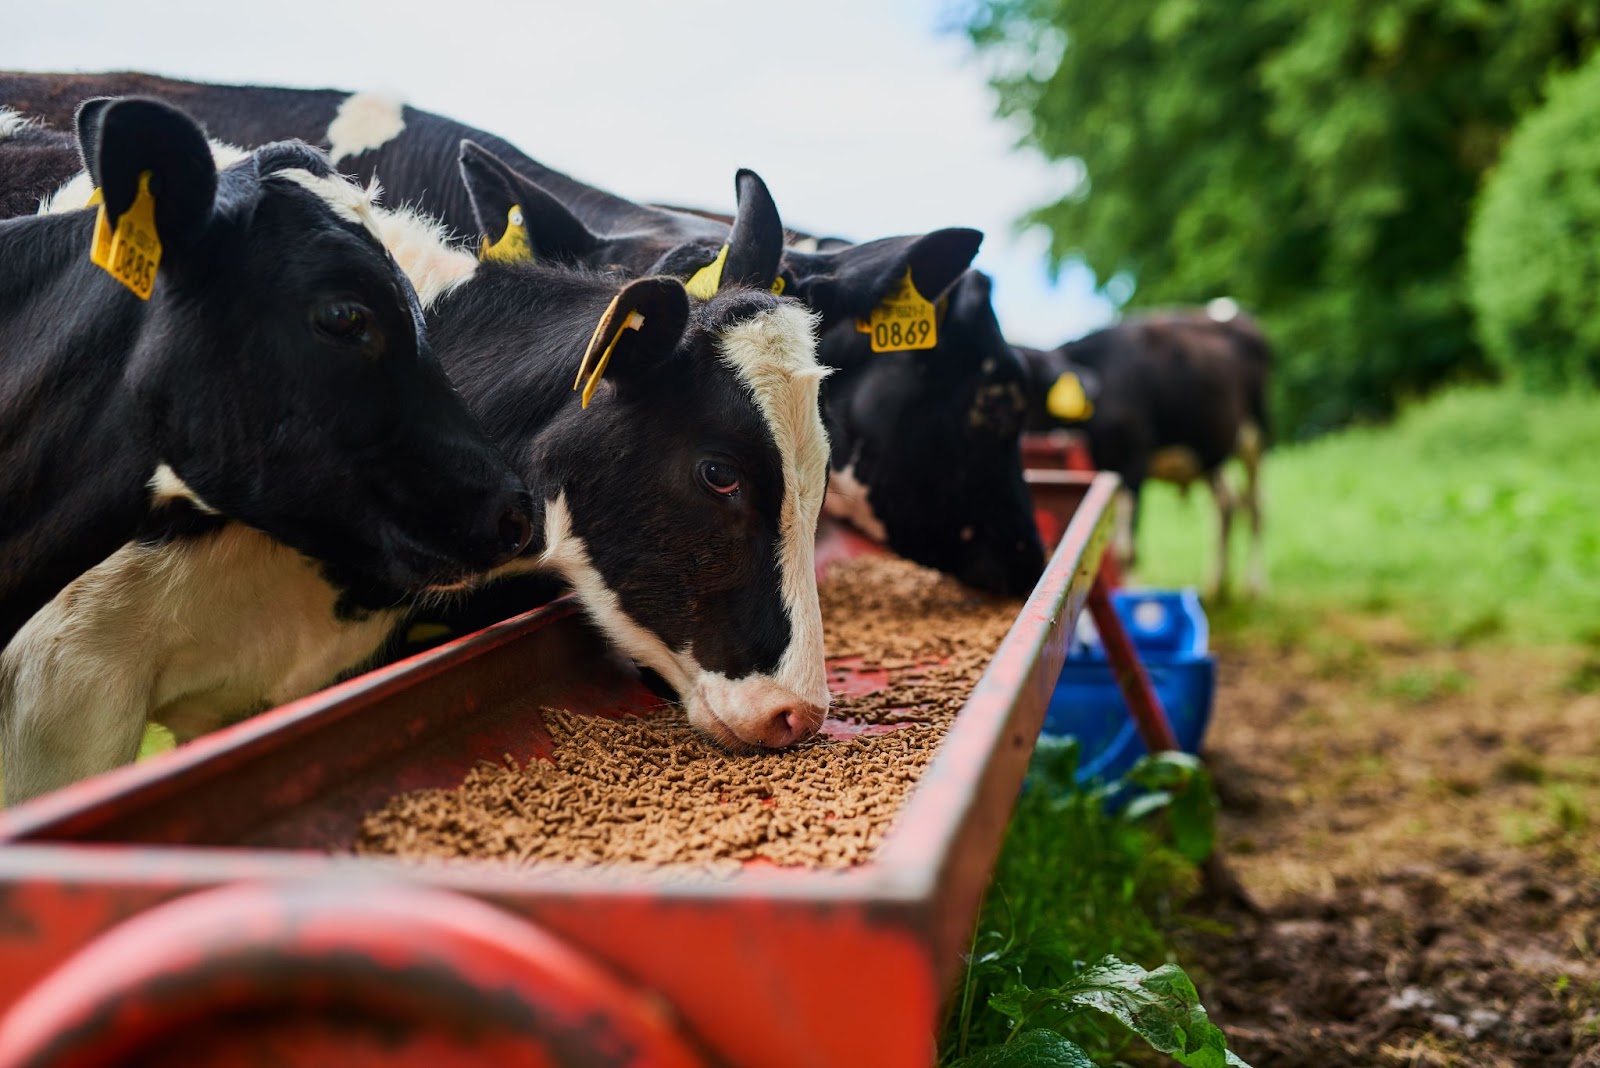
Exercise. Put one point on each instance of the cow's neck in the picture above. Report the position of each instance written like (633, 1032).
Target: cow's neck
(74, 458)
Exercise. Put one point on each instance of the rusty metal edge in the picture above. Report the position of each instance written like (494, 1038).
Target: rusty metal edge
(951, 830)
(62, 811)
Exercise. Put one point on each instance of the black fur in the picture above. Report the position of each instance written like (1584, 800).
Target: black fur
(33, 160)
(1157, 381)
(358, 455)
(934, 437)
(573, 222)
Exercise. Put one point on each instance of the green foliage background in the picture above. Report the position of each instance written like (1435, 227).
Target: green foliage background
(1314, 159)
(1534, 249)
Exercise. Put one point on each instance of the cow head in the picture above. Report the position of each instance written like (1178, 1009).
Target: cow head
(925, 445)
(283, 373)
(680, 495)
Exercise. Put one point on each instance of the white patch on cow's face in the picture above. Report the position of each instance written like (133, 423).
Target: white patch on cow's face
(365, 121)
(166, 486)
(421, 246)
(566, 554)
(775, 354)
(847, 500)
(344, 198)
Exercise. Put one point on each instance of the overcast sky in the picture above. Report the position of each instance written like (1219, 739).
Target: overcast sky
(863, 117)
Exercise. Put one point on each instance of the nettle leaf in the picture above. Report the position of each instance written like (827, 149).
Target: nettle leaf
(1180, 784)
(1162, 1007)
(1030, 1049)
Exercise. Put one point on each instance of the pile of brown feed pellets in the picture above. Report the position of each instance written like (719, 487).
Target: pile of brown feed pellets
(651, 791)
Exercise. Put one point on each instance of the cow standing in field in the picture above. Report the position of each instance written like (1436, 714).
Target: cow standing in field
(243, 347)
(1172, 396)
(676, 492)
(924, 453)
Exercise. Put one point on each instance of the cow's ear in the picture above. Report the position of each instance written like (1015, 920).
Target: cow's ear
(637, 332)
(755, 244)
(518, 218)
(850, 282)
(125, 139)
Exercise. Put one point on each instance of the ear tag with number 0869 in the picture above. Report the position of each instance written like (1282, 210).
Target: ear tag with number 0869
(903, 321)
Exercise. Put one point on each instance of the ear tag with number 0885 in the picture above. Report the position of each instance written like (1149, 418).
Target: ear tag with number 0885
(130, 253)
(903, 321)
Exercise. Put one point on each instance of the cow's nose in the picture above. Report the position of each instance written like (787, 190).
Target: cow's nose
(791, 723)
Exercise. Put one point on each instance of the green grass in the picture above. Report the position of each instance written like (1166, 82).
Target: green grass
(1476, 514)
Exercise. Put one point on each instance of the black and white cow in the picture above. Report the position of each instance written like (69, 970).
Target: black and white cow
(955, 500)
(276, 372)
(1171, 396)
(680, 506)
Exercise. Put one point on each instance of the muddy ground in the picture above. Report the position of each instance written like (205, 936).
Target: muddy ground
(1421, 829)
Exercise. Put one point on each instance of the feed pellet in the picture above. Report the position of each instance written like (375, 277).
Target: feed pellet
(651, 791)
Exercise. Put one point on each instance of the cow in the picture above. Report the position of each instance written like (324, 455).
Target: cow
(676, 493)
(1172, 396)
(959, 504)
(239, 344)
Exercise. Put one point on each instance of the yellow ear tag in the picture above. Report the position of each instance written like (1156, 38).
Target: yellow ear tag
(605, 326)
(1067, 400)
(513, 244)
(132, 252)
(903, 321)
(704, 283)
(777, 286)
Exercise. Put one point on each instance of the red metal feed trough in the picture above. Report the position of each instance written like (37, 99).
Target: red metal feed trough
(191, 910)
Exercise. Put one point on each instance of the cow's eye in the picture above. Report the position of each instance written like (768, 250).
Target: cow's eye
(719, 477)
(344, 321)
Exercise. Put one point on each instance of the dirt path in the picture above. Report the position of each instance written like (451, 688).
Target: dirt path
(1422, 828)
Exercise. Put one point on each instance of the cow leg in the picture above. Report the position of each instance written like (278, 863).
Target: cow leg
(66, 713)
(1222, 494)
(1252, 456)
(1124, 539)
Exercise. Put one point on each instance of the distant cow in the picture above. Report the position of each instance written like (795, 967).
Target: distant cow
(1171, 396)
(679, 502)
(954, 499)
(257, 355)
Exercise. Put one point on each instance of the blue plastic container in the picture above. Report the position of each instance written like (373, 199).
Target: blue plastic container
(1169, 629)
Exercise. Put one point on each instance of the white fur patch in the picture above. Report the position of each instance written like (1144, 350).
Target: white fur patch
(1222, 309)
(364, 121)
(566, 554)
(847, 500)
(421, 246)
(775, 354)
(165, 485)
(11, 122)
(346, 199)
(192, 634)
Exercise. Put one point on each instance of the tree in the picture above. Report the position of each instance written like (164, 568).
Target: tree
(1534, 250)
(1313, 159)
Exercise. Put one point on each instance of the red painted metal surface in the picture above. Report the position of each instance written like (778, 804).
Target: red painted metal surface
(308, 973)
(769, 966)
(1144, 705)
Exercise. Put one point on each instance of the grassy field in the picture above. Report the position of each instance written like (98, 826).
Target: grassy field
(1475, 515)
